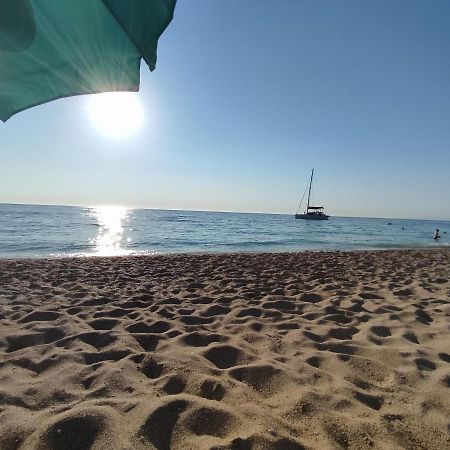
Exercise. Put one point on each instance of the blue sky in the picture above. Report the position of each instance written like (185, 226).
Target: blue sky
(247, 97)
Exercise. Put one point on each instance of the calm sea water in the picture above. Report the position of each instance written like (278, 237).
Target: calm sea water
(38, 231)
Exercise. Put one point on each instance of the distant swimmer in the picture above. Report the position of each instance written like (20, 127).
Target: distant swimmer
(436, 235)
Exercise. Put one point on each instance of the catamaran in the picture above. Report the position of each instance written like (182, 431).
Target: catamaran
(312, 212)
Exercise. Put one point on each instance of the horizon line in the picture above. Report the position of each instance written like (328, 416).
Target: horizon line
(213, 211)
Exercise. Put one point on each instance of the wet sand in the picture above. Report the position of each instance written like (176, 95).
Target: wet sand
(278, 351)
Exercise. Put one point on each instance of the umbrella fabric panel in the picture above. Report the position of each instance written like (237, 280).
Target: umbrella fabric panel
(57, 48)
(144, 23)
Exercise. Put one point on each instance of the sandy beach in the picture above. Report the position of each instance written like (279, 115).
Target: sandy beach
(281, 351)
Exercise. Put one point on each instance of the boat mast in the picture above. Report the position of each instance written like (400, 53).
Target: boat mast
(309, 192)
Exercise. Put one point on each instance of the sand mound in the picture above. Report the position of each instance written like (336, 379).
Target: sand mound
(226, 352)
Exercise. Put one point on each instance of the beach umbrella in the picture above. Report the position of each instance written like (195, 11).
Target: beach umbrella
(57, 48)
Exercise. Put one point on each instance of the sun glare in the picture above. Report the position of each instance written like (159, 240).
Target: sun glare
(116, 114)
(111, 221)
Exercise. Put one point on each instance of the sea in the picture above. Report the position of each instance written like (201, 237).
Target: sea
(33, 231)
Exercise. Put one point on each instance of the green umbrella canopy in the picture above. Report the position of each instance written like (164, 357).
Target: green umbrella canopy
(57, 48)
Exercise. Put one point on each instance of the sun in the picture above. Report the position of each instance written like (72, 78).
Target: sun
(116, 114)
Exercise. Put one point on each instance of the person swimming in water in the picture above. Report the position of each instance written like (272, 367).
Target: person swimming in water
(436, 235)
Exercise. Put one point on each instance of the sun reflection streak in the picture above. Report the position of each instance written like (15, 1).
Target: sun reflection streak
(110, 220)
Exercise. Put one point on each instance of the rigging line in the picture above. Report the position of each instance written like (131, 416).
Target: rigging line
(301, 201)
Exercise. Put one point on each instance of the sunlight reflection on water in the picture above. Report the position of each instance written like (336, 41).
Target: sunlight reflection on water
(111, 220)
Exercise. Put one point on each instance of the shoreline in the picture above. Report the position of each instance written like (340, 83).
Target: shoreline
(226, 351)
(431, 247)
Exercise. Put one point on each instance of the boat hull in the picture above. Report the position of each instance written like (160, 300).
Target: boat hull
(312, 216)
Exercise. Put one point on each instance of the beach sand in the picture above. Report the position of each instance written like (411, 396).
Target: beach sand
(282, 351)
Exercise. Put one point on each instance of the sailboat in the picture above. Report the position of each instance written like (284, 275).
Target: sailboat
(312, 212)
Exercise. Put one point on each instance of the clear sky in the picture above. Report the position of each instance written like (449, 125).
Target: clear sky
(247, 97)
